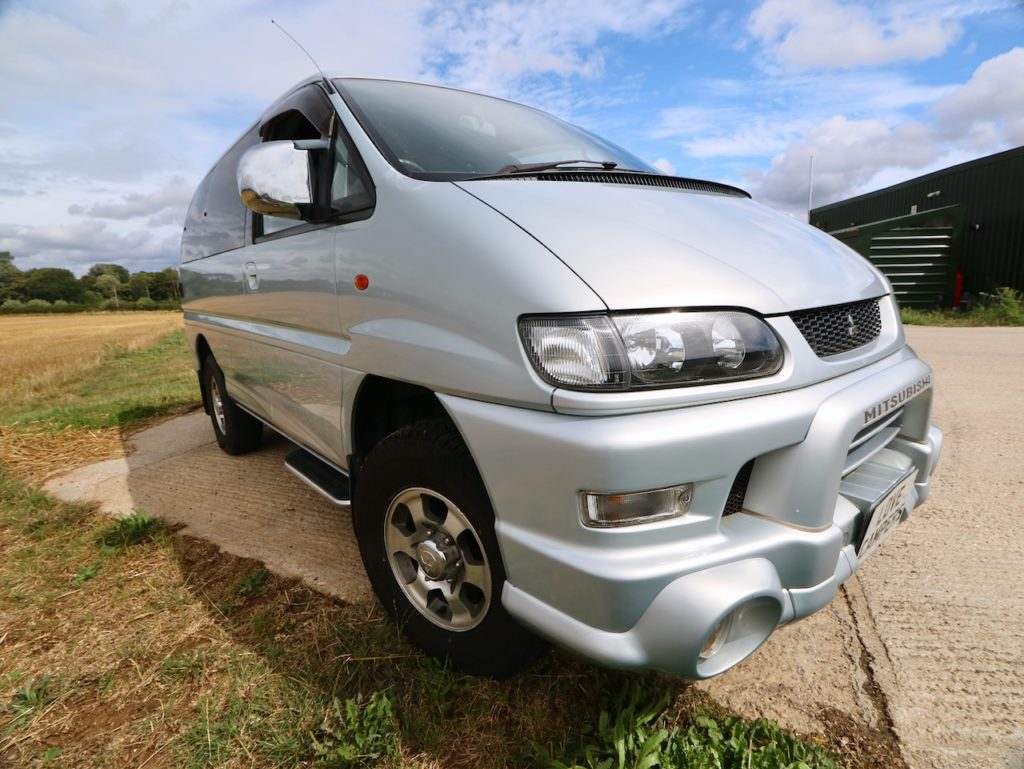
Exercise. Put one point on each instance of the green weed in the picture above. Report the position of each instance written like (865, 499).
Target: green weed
(253, 585)
(51, 754)
(87, 572)
(637, 734)
(34, 694)
(129, 531)
(358, 733)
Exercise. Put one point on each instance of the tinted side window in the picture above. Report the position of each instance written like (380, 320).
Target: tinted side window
(351, 189)
(216, 218)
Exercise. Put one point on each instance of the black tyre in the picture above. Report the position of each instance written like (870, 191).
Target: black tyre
(237, 431)
(425, 529)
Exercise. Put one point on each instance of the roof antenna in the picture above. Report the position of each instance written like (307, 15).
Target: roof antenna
(327, 83)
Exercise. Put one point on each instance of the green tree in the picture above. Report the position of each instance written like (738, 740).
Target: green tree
(12, 280)
(109, 285)
(139, 285)
(51, 284)
(164, 285)
(116, 270)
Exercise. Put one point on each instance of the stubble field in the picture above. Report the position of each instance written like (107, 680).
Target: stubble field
(40, 350)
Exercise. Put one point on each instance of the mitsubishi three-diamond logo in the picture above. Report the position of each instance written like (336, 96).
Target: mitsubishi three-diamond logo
(852, 329)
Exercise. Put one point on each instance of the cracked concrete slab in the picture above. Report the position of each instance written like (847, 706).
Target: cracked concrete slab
(925, 645)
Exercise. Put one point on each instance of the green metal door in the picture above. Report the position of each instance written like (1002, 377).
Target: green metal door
(920, 254)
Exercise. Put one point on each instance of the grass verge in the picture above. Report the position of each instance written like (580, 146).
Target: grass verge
(125, 387)
(1004, 308)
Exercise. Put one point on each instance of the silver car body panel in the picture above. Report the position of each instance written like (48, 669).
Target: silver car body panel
(451, 269)
(650, 247)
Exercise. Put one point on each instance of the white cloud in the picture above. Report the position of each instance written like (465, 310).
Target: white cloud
(175, 196)
(847, 154)
(79, 245)
(121, 95)
(990, 105)
(982, 116)
(827, 34)
(665, 166)
(493, 47)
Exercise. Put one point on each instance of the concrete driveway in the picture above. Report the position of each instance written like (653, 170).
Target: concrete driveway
(923, 647)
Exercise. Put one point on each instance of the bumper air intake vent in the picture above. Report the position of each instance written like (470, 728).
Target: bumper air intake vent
(840, 328)
(738, 492)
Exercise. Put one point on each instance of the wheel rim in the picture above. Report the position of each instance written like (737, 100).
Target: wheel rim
(437, 559)
(217, 403)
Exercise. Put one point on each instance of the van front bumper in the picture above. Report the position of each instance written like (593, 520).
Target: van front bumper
(653, 595)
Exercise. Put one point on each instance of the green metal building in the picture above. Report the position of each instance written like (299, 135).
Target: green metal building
(944, 237)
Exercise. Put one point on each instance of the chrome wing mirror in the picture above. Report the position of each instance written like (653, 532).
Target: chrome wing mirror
(274, 177)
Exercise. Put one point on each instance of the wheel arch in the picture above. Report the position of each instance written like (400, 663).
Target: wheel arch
(383, 406)
(202, 351)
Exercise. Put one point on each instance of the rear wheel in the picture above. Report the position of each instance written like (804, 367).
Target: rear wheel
(237, 431)
(426, 534)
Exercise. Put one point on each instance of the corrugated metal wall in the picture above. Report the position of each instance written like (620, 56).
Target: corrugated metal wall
(990, 192)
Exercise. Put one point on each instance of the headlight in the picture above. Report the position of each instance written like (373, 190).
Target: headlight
(644, 350)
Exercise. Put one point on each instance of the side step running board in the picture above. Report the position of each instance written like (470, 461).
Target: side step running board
(320, 476)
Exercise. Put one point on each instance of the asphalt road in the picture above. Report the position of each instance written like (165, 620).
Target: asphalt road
(925, 645)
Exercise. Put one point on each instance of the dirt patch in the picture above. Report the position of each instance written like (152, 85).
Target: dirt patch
(93, 720)
(861, 747)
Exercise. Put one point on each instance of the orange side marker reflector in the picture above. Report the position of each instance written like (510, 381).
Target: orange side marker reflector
(361, 282)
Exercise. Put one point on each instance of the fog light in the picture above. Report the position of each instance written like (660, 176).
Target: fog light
(637, 507)
(716, 638)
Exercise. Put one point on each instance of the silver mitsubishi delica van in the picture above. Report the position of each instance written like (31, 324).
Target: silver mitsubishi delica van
(566, 396)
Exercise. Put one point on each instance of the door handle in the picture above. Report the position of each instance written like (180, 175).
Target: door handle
(252, 278)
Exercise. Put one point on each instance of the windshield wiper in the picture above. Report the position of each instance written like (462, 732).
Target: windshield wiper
(529, 168)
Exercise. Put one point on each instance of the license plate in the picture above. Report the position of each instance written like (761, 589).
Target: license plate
(886, 515)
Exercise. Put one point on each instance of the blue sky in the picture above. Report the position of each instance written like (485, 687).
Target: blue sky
(111, 111)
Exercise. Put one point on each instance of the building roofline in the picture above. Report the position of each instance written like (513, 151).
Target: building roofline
(994, 158)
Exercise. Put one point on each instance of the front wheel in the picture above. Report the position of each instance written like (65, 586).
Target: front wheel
(236, 430)
(425, 529)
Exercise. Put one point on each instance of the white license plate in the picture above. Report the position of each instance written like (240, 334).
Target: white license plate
(886, 514)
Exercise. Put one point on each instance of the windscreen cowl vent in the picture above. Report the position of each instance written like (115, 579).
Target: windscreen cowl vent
(636, 180)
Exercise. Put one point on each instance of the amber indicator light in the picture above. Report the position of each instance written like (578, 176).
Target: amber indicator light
(361, 282)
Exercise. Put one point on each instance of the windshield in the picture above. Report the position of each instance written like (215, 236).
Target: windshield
(430, 132)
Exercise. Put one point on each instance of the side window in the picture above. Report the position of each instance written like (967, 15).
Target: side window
(216, 218)
(350, 185)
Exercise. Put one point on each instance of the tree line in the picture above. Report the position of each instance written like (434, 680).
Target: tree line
(103, 287)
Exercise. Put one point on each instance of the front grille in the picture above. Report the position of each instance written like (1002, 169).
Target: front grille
(840, 328)
(738, 492)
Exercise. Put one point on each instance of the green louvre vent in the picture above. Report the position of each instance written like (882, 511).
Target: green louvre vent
(920, 253)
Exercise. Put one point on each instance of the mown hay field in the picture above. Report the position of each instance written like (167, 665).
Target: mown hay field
(38, 351)
(70, 385)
